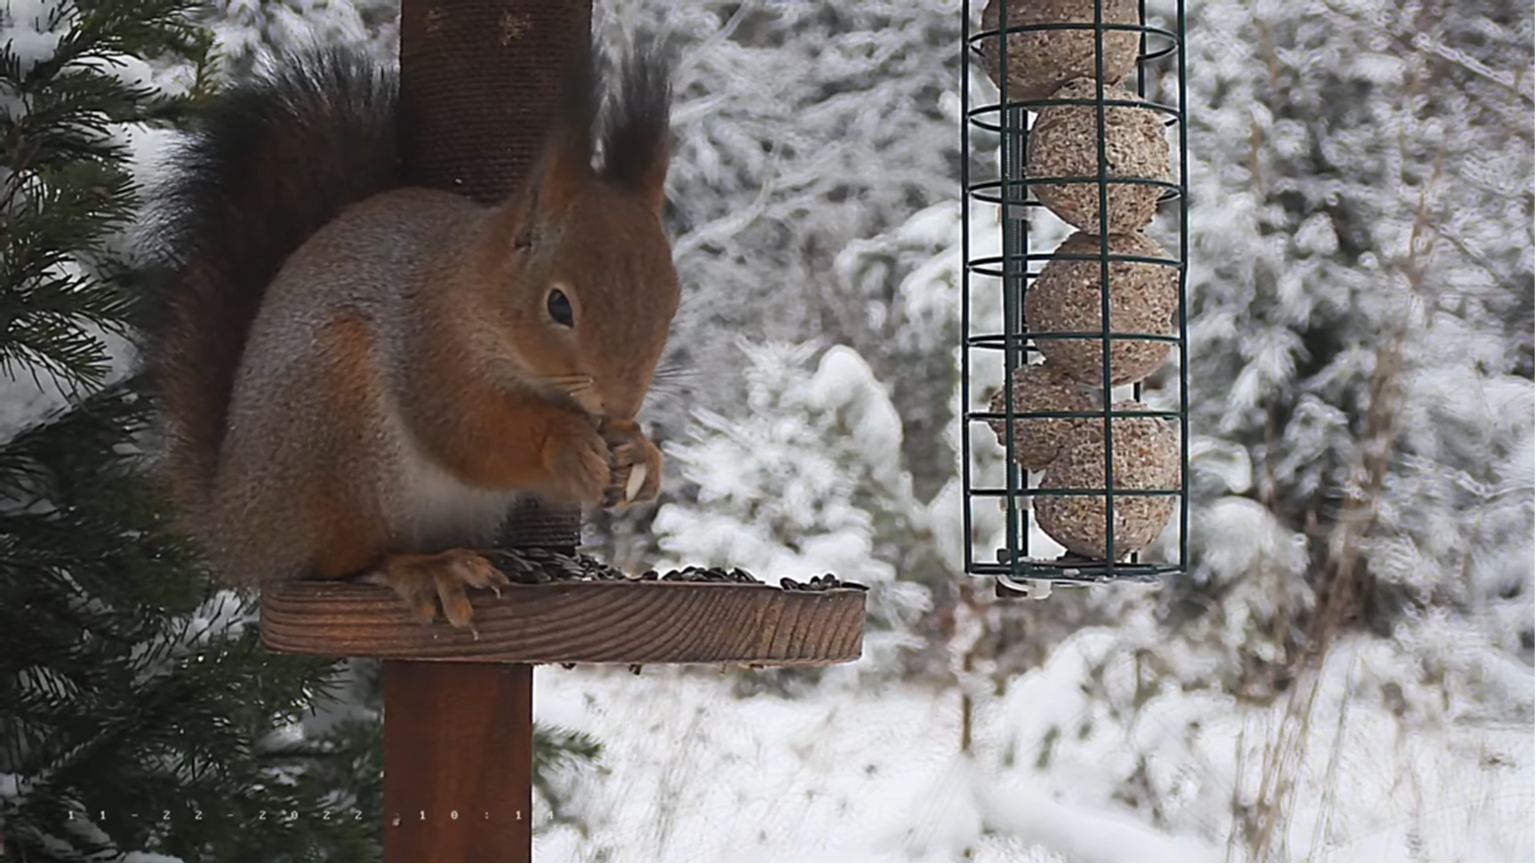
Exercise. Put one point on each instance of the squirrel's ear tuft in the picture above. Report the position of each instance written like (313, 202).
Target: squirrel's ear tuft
(637, 134)
(566, 163)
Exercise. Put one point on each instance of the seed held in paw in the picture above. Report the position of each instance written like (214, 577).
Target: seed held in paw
(636, 482)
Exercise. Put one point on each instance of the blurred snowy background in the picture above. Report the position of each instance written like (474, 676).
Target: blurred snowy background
(1347, 672)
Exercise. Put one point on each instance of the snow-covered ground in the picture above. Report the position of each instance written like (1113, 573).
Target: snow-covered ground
(855, 772)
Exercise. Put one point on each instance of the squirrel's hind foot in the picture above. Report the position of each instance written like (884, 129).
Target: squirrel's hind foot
(424, 581)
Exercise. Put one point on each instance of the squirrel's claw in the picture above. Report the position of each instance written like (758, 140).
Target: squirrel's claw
(636, 465)
(424, 581)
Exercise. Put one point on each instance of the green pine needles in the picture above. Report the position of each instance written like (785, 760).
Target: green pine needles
(137, 711)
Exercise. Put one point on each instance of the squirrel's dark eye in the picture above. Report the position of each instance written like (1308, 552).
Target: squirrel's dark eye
(559, 307)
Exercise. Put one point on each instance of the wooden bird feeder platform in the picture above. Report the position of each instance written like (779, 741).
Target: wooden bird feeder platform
(458, 706)
(479, 81)
(582, 622)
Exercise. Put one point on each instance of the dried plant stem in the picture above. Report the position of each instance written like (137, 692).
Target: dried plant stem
(1343, 577)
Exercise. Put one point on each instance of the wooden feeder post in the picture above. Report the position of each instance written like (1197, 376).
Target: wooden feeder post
(479, 83)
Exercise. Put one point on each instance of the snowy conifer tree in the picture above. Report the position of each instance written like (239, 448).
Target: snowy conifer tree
(789, 118)
(246, 30)
(137, 710)
(1361, 287)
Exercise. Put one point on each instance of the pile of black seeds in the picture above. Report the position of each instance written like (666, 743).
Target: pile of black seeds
(824, 582)
(538, 566)
(702, 574)
(542, 566)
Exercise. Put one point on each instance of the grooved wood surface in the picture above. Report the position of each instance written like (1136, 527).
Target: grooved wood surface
(576, 622)
(458, 751)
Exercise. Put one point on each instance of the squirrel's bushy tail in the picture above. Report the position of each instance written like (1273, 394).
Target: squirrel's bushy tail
(269, 162)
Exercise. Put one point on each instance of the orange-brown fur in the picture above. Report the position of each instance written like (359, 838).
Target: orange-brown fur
(396, 375)
(350, 530)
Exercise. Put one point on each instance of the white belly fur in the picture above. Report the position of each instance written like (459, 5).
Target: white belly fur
(436, 511)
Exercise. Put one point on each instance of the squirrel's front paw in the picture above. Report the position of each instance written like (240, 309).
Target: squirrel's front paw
(577, 461)
(636, 464)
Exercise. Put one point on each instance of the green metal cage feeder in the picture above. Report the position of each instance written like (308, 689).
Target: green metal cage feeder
(1077, 329)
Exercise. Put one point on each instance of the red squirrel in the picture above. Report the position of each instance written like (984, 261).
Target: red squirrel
(359, 377)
